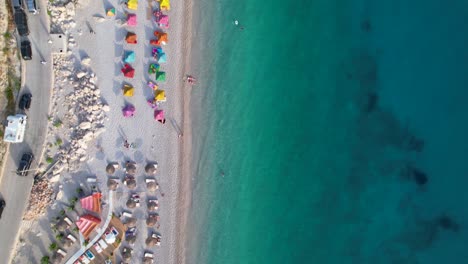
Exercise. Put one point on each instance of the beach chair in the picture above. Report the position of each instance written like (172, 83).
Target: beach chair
(61, 252)
(91, 179)
(127, 214)
(71, 237)
(68, 221)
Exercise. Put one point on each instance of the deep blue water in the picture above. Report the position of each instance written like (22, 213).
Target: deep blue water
(330, 132)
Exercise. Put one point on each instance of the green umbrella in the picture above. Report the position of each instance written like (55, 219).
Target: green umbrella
(161, 76)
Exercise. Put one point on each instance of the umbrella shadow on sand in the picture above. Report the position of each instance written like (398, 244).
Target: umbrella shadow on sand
(138, 156)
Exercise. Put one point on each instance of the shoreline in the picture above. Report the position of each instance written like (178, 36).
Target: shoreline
(184, 184)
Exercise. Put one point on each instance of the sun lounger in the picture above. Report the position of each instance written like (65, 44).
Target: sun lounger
(126, 214)
(71, 237)
(91, 179)
(66, 219)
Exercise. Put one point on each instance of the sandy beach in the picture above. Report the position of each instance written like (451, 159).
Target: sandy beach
(168, 145)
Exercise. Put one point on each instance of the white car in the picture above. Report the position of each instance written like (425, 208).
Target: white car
(98, 248)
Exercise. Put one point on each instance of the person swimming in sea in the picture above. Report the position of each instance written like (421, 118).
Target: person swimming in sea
(236, 23)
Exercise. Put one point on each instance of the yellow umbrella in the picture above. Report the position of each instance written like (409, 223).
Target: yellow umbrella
(160, 96)
(132, 4)
(128, 90)
(165, 5)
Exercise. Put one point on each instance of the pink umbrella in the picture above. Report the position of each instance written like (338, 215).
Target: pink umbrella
(128, 111)
(163, 21)
(131, 20)
(159, 116)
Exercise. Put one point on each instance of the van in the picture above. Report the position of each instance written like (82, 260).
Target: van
(32, 6)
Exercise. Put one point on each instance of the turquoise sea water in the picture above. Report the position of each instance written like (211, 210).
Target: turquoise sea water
(309, 126)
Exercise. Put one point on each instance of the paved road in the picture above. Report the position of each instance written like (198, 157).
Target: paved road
(37, 80)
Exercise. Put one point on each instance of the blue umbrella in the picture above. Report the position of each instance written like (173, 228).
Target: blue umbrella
(162, 58)
(129, 57)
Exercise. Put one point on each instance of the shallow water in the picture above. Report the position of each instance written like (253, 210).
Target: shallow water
(311, 123)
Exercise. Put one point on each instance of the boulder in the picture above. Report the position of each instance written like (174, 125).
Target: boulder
(80, 74)
(85, 125)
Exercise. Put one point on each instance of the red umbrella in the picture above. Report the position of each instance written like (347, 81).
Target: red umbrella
(128, 71)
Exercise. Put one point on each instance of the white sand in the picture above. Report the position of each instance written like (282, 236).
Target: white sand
(154, 142)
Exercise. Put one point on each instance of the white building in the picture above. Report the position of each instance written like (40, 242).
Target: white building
(14, 131)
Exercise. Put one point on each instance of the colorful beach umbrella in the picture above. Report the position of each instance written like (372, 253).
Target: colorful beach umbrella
(129, 57)
(162, 38)
(128, 71)
(153, 68)
(131, 20)
(160, 96)
(128, 90)
(132, 4)
(161, 76)
(110, 12)
(128, 111)
(162, 58)
(163, 21)
(131, 38)
(159, 116)
(165, 5)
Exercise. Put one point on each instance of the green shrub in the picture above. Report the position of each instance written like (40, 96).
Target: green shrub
(53, 246)
(49, 160)
(58, 142)
(7, 35)
(45, 260)
(58, 123)
(59, 237)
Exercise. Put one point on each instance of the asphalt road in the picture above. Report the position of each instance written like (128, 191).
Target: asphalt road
(15, 189)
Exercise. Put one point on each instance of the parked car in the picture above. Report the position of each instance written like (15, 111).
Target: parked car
(32, 6)
(2, 205)
(89, 255)
(25, 164)
(26, 51)
(25, 101)
(21, 21)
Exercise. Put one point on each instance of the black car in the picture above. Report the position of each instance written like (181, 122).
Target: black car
(26, 51)
(25, 101)
(21, 22)
(25, 164)
(2, 205)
